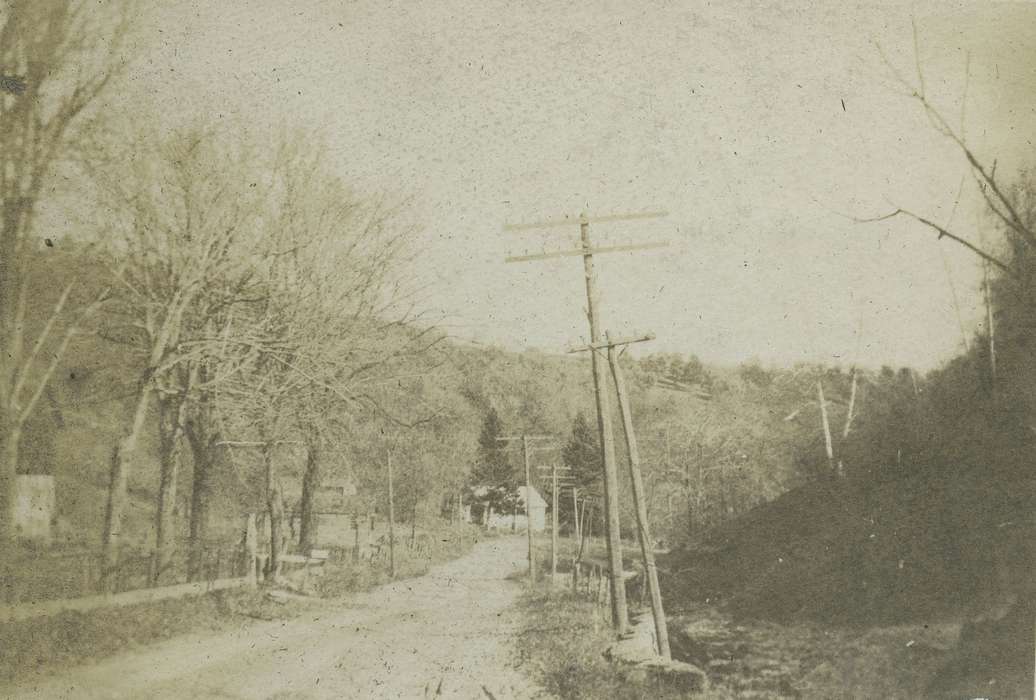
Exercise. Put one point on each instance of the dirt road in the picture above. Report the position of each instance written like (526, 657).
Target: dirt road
(447, 634)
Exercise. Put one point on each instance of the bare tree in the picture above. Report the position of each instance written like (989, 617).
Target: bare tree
(56, 59)
(997, 197)
(333, 329)
(172, 424)
(185, 220)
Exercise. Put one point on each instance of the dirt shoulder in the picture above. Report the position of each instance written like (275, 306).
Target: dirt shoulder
(447, 633)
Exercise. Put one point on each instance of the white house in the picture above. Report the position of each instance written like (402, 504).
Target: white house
(537, 508)
(34, 500)
(517, 521)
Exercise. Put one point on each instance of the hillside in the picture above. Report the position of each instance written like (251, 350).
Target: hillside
(706, 459)
(902, 549)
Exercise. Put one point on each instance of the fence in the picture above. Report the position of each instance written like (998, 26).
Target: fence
(375, 552)
(592, 579)
(37, 582)
(32, 577)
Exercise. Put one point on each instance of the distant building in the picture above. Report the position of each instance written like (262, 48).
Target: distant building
(537, 508)
(339, 511)
(537, 512)
(34, 499)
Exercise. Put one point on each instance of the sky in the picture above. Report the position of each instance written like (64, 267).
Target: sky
(759, 127)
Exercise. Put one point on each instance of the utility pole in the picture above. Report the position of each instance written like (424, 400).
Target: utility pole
(639, 497)
(575, 512)
(554, 492)
(588, 527)
(526, 449)
(392, 522)
(646, 545)
(620, 617)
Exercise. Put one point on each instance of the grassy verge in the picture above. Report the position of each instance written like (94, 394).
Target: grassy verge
(564, 637)
(446, 543)
(33, 646)
(561, 645)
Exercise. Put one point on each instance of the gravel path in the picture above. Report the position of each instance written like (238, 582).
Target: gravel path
(446, 634)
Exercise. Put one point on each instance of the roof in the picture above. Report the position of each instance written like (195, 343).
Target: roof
(537, 499)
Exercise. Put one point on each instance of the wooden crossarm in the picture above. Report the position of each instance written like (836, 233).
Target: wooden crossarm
(586, 251)
(575, 221)
(612, 342)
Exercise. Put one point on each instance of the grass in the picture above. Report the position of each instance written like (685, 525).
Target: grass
(34, 646)
(446, 542)
(564, 637)
(31, 646)
(562, 643)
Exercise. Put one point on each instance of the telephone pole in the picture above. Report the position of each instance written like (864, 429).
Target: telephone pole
(647, 547)
(392, 521)
(575, 512)
(554, 493)
(620, 615)
(526, 449)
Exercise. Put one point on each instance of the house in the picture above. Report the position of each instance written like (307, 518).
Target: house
(34, 499)
(537, 512)
(339, 511)
(537, 508)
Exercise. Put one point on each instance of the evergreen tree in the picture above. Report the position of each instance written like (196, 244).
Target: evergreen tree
(493, 469)
(582, 453)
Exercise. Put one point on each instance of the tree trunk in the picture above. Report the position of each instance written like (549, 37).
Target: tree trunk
(310, 486)
(826, 427)
(275, 511)
(10, 441)
(275, 505)
(990, 328)
(413, 526)
(173, 415)
(10, 352)
(201, 498)
(204, 450)
(121, 458)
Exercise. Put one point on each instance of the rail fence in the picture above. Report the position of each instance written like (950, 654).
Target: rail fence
(591, 578)
(37, 582)
(35, 576)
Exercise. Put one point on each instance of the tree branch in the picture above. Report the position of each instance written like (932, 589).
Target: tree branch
(943, 233)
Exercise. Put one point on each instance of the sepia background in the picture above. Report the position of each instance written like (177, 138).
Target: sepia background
(729, 116)
(279, 418)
